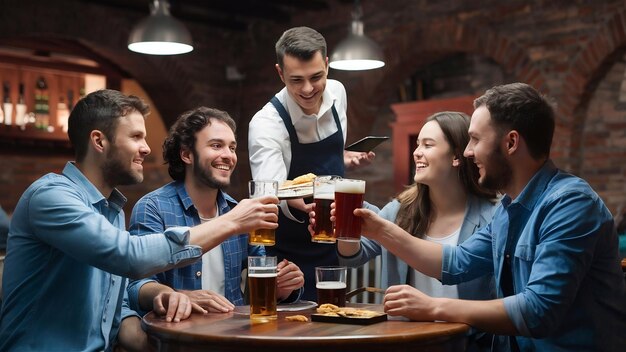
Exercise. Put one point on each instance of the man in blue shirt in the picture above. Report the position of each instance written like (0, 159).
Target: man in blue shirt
(68, 255)
(551, 245)
(200, 151)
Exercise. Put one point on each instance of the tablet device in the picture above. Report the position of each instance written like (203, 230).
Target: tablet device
(366, 144)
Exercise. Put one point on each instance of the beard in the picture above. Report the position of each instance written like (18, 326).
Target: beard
(117, 172)
(205, 177)
(498, 171)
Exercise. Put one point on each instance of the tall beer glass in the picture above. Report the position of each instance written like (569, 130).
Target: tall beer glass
(330, 282)
(348, 196)
(324, 195)
(262, 237)
(262, 286)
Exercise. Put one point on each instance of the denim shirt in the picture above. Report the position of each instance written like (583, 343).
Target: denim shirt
(66, 265)
(569, 290)
(170, 206)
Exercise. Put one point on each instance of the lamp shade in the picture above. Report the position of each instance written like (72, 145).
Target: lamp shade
(160, 34)
(357, 52)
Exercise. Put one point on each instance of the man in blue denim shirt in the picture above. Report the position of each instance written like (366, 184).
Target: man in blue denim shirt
(200, 151)
(68, 255)
(551, 245)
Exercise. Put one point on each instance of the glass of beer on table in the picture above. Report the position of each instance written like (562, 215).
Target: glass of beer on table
(330, 282)
(348, 196)
(324, 195)
(262, 286)
(262, 237)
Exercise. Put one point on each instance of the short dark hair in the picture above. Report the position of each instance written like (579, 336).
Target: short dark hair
(101, 111)
(300, 42)
(520, 107)
(182, 135)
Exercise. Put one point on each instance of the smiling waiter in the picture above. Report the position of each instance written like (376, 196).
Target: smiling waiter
(302, 129)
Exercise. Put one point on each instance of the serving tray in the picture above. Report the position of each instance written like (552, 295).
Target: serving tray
(349, 320)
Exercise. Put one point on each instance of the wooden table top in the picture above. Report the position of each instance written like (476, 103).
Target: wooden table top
(235, 332)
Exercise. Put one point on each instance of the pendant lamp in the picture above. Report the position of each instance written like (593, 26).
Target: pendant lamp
(357, 52)
(160, 34)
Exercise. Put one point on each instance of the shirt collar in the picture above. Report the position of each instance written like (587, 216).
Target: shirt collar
(535, 187)
(116, 198)
(223, 199)
(295, 111)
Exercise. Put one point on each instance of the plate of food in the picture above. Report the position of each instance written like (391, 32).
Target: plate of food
(299, 187)
(329, 313)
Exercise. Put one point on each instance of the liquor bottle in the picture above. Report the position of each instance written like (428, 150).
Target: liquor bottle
(63, 114)
(20, 109)
(1, 116)
(8, 106)
(42, 109)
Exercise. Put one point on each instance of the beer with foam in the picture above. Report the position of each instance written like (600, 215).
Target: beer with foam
(348, 196)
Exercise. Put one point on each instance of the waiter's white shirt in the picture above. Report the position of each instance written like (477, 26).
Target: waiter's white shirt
(268, 140)
(269, 146)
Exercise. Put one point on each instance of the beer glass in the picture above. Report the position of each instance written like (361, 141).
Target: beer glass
(262, 237)
(348, 196)
(262, 286)
(324, 195)
(330, 282)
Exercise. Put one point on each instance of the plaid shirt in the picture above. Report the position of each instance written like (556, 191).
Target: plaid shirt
(170, 206)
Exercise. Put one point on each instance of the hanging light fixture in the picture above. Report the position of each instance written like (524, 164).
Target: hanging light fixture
(357, 52)
(160, 34)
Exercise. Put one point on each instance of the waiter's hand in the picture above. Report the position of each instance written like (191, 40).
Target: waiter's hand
(300, 205)
(353, 160)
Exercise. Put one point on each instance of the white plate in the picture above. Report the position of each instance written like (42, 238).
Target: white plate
(283, 307)
(294, 193)
(296, 306)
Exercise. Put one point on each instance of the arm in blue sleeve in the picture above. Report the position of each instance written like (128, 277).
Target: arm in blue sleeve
(469, 260)
(91, 238)
(571, 226)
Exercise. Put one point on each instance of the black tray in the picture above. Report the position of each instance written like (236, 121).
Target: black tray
(352, 320)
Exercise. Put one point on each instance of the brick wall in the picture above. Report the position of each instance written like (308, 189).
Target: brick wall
(571, 51)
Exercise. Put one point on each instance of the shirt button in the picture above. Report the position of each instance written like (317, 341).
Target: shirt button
(198, 273)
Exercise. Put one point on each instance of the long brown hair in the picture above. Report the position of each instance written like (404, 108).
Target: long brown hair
(415, 211)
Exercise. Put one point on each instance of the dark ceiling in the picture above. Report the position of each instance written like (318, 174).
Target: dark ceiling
(226, 14)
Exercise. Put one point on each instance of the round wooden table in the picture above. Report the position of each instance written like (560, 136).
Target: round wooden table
(235, 332)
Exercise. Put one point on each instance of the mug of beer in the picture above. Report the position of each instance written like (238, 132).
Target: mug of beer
(330, 282)
(348, 196)
(324, 195)
(262, 286)
(262, 237)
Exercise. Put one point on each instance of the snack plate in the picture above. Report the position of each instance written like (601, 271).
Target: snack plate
(349, 320)
(295, 192)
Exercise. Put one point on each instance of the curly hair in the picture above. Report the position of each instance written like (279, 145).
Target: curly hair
(182, 135)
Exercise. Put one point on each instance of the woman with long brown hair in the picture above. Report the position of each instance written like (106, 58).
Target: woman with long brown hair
(444, 205)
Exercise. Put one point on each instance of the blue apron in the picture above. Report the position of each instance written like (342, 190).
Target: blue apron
(293, 240)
